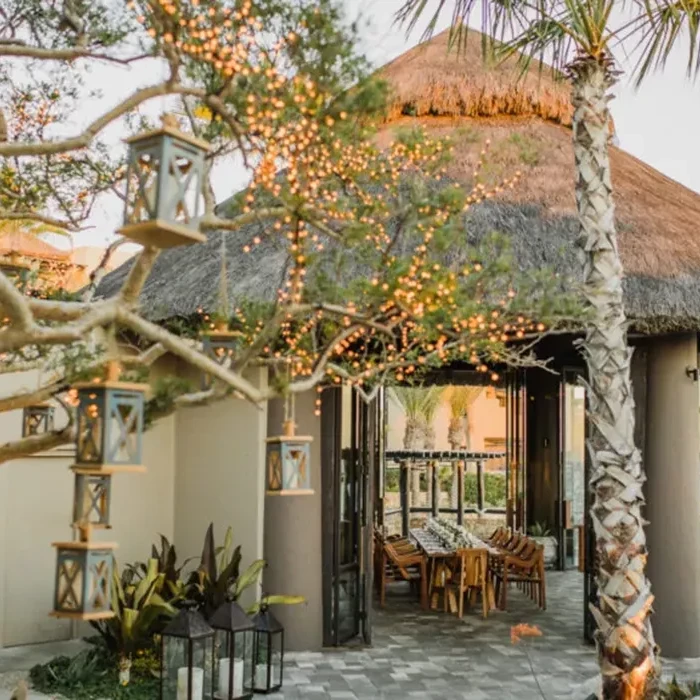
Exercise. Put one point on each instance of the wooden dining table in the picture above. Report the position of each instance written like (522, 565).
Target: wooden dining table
(443, 565)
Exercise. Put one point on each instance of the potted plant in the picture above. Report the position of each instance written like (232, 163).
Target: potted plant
(543, 536)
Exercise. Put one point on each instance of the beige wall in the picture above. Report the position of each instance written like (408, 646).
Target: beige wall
(36, 497)
(220, 464)
(203, 464)
(487, 420)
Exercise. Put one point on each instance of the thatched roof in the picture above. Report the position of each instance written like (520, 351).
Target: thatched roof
(526, 123)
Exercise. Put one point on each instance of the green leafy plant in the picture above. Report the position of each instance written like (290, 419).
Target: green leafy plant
(140, 611)
(218, 577)
(540, 530)
(677, 691)
(174, 588)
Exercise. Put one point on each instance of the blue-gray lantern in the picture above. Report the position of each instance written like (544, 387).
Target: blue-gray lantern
(37, 420)
(83, 580)
(220, 346)
(164, 187)
(110, 426)
(91, 497)
(289, 463)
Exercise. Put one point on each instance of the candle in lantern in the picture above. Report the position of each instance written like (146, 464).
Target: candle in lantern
(224, 677)
(197, 690)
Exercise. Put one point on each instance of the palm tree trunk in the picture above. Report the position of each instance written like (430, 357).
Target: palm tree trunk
(626, 649)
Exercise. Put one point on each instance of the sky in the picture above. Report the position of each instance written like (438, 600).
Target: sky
(659, 123)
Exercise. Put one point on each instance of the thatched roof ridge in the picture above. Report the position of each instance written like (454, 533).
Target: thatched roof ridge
(658, 219)
(429, 81)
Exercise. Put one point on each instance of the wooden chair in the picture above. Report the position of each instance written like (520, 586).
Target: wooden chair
(472, 576)
(408, 567)
(527, 570)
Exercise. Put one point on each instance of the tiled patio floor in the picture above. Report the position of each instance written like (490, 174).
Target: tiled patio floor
(430, 655)
(419, 654)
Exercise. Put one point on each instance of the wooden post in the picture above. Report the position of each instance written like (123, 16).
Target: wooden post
(436, 489)
(405, 505)
(480, 486)
(460, 492)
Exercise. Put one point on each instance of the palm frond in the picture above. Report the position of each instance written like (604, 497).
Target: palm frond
(419, 403)
(461, 398)
(660, 27)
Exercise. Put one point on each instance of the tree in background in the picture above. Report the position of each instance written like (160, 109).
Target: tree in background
(581, 39)
(366, 298)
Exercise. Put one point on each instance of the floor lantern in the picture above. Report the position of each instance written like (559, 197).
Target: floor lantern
(37, 420)
(187, 657)
(233, 647)
(268, 652)
(164, 202)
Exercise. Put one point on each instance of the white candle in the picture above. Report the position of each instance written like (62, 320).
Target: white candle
(224, 673)
(197, 684)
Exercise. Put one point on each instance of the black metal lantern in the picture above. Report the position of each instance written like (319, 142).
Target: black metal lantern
(37, 420)
(187, 658)
(164, 187)
(220, 346)
(91, 497)
(83, 580)
(289, 463)
(110, 426)
(268, 652)
(233, 648)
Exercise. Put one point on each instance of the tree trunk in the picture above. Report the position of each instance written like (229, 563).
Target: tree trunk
(627, 652)
(412, 440)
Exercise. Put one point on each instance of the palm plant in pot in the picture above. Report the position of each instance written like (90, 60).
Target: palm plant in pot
(543, 536)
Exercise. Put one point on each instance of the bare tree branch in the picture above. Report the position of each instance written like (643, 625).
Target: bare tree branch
(34, 216)
(100, 271)
(21, 50)
(14, 304)
(36, 443)
(138, 275)
(23, 399)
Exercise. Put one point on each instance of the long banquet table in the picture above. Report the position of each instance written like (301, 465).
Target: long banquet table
(442, 565)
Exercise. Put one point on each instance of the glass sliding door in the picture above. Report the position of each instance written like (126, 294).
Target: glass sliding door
(572, 492)
(347, 496)
(515, 449)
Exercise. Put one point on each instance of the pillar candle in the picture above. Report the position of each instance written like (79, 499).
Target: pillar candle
(224, 676)
(197, 684)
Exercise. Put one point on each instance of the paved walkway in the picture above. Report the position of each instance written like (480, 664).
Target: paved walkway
(419, 654)
(429, 655)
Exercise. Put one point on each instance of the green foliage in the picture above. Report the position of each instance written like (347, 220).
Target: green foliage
(140, 610)
(528, 151)
(164, 391)
(540, 530)
(92, 675)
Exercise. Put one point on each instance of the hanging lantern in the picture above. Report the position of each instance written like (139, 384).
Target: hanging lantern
(110, 426)
(83, 580)
(37, 420)
(187, 657)
(164, 187)
(289, 463)
(268, 652)
(91, 497)
(221, 346)
(233, 646)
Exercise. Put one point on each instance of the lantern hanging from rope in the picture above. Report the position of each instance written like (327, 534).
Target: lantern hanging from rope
(289, 458)
(164, 187)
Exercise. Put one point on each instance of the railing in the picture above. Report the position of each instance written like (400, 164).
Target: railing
(429, 464)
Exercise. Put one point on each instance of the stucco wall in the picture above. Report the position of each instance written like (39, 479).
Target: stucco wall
(220, 460)
(36, 497)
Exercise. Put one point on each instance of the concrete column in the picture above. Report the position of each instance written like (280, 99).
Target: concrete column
(293, 547)
(673, 494)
